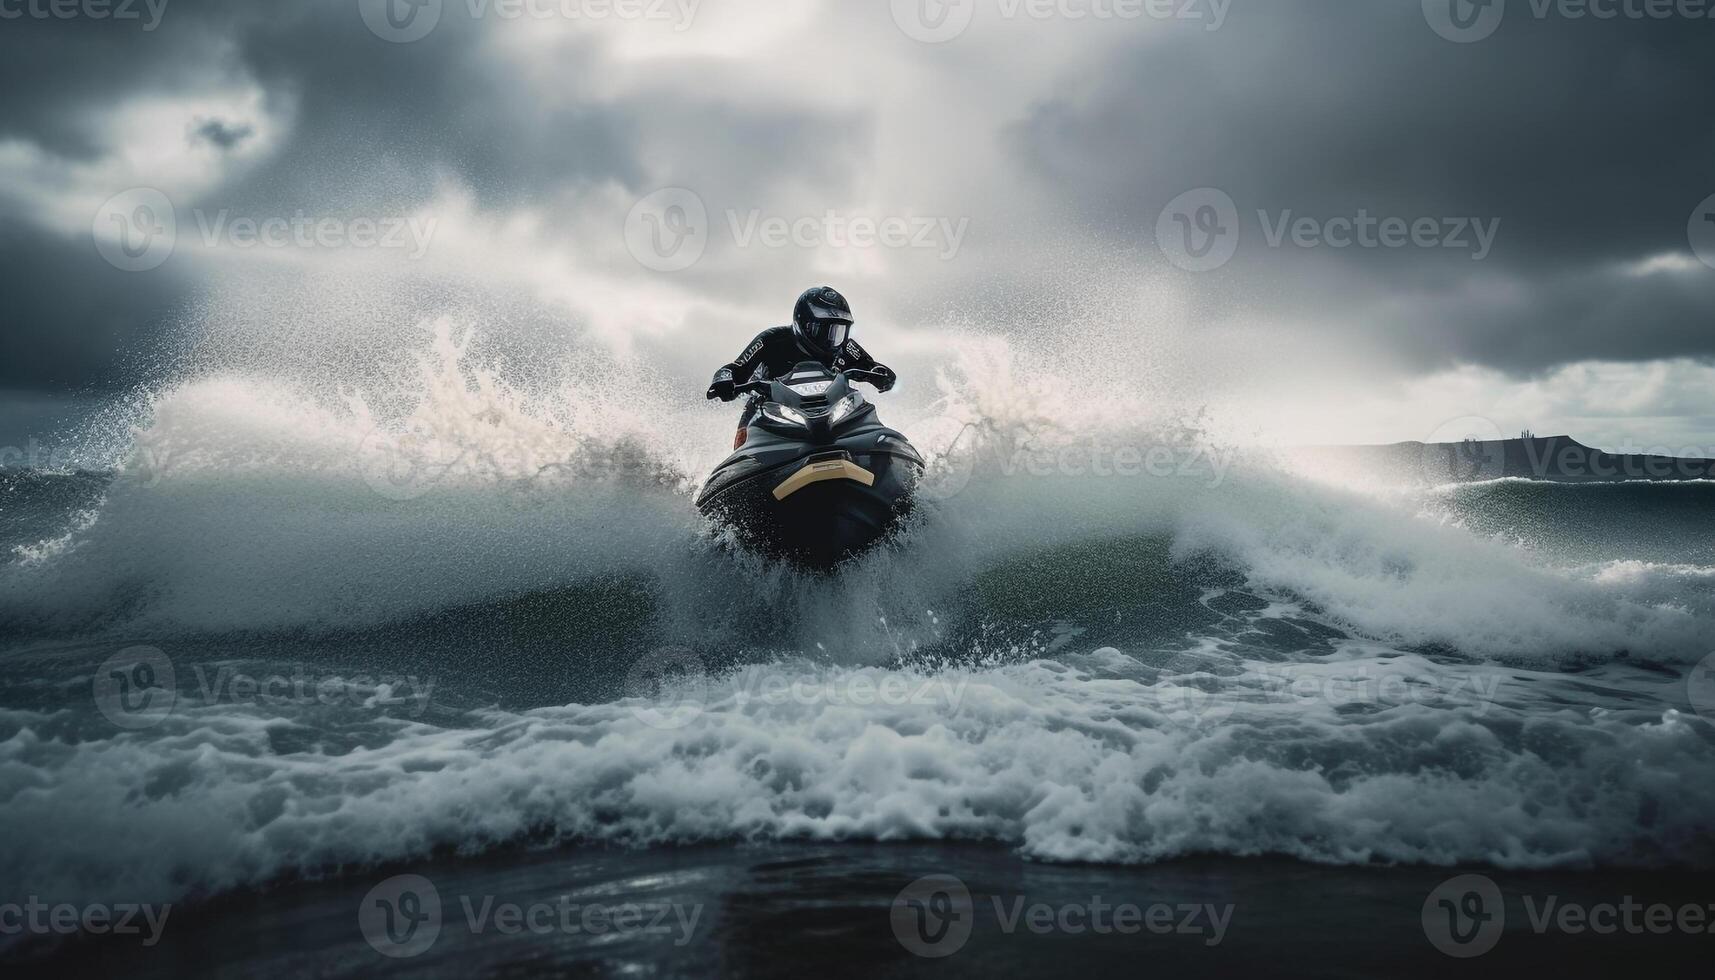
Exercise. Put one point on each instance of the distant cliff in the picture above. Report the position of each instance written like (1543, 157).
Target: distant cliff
(1558, 459)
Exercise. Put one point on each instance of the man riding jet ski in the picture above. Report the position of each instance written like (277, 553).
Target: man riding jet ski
(820, 331)
(814, 477)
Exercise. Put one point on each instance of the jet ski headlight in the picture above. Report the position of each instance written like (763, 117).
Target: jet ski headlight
(846, 406)
(781, 413)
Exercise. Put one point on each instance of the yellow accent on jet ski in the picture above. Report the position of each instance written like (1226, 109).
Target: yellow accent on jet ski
(833, 469)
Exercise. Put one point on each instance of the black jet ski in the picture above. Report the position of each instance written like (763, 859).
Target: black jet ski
(816, 478)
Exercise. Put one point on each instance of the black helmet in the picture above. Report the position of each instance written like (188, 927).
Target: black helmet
(822, 320)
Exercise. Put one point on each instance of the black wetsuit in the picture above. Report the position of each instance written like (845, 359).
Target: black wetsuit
(776, 351)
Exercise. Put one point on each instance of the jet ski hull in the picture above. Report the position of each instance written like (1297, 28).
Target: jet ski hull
(815, 506)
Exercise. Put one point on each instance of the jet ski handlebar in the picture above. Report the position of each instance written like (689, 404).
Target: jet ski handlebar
(765, 387)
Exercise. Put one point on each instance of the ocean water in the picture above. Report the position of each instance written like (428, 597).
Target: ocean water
(277, 635)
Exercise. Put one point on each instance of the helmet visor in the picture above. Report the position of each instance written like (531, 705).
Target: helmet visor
(831, 334)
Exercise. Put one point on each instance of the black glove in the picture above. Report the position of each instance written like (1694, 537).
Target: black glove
(885, 379)
(722, 389)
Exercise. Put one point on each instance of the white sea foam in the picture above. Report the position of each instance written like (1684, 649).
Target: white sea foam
(1101, 759)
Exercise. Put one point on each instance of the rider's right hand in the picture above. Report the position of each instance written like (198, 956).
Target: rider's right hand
(722, 389)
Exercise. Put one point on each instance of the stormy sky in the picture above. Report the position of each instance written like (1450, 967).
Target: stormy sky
(1340, 220)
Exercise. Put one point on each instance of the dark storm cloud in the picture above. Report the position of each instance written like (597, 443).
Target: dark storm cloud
(374, 126)
(1591, 142)
(221, 134)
